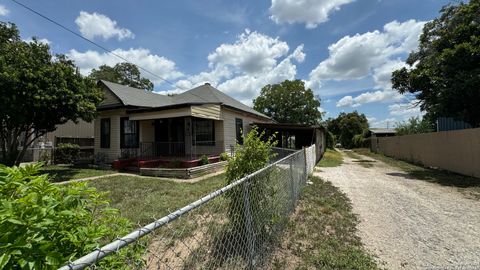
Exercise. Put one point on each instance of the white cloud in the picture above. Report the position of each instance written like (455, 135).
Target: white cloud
(158, 65)
(385, 123)
(354, 57)
(369, 97)
(374, 54)
(252, 53)
(310, 12)
(94, 24)
(346, 101)
(241, 69)
(406, 110)
(4, 10)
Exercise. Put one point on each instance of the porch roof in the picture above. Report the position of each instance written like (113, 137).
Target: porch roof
(207, 111)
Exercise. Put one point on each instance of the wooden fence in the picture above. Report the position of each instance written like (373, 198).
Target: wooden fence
(457, 151)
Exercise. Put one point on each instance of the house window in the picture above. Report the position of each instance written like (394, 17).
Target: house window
(239, 130)
(128, 133)
(105, 133)
(203, 132)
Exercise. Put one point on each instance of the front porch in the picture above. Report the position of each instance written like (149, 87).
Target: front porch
(168, 140)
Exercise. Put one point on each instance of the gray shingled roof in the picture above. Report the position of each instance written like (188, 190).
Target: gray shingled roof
(205, 94)
(131, 96)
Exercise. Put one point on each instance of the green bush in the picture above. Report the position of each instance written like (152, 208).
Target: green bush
(224, 156)
(44, 225)
(67, 153)
(330, 140)
(204, 160)
(252, 156)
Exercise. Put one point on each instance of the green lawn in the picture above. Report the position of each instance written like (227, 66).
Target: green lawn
(69, 172)
(142, 200)
(331, 158)
(321, 233)
(467, 185)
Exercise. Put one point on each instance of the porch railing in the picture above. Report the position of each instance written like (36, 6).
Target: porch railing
(150, 150)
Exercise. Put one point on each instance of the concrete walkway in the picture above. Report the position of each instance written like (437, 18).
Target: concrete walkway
(192, 180)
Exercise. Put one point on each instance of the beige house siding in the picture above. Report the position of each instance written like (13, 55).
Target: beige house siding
(147, 131)
(113, 152)
(109, 99)
(228, 117)
(71, 130)
(186, 111)
(210, 111)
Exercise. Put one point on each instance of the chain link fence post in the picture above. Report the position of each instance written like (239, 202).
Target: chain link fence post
(248, 223)
(292, 185)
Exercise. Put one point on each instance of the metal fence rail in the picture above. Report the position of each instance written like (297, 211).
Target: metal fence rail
(236, 227)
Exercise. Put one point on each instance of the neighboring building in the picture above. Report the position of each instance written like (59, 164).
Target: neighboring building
(449, 123)
(381, 132)
(296, 136)
(137, 123)
(375, 133)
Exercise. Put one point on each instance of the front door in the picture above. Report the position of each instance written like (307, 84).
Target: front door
(170, 137)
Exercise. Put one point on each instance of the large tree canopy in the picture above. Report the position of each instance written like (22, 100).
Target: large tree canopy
(122, 73)
(444, 73)
(346, 126)
(289, 102)
(38, 92)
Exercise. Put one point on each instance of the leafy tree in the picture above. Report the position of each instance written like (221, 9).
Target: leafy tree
(38, 92)
(346, 126)
(289, 102)
(122, 73)
(414, 126)
(444, 72)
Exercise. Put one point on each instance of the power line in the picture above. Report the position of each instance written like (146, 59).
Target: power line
(93, 42)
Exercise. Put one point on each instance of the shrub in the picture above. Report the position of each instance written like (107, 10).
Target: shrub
(45, 225)
(100, 158)
(67, 153)
(224, 156)
(253, 155)
(204, 160)
(330, 140)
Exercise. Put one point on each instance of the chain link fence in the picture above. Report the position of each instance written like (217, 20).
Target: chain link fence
(236, 227)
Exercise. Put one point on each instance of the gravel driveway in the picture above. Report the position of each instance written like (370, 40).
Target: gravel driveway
(409, 223)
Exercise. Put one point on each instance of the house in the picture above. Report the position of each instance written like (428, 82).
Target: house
(134, 123)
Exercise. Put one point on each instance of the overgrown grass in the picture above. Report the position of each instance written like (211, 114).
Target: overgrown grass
(70, 172)
(321, 233)
(468, 185)
(331, 158)
(142, 200)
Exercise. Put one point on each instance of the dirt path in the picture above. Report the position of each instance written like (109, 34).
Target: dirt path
(409, 223)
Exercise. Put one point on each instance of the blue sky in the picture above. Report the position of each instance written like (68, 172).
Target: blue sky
(344, 50)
